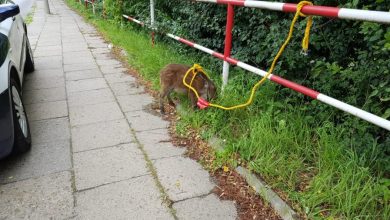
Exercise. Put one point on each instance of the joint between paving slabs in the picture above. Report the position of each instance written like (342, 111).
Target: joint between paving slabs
(168, 202)
(72, 173)
(35, 177)
(105, 147)
(194, 197)
(118, 181)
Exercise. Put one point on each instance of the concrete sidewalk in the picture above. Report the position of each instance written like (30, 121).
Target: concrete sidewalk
(97, 153)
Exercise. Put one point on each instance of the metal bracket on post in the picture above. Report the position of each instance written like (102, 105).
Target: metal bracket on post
(228, 44)
(46, 6)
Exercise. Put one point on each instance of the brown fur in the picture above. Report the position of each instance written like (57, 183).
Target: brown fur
(171, 79)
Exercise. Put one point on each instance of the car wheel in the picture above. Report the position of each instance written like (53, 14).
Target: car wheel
(22, 136)
(29, 63)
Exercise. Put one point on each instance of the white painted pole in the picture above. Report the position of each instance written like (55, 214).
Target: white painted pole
(228, 44)
(225, 74)
(152, 14)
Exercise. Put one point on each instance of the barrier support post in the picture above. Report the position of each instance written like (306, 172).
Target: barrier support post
(152, 20)
(228, 44)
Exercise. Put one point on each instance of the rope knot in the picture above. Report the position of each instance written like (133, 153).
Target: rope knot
(300, 6)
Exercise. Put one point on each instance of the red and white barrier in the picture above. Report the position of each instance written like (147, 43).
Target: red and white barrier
(341, 13)
(374, 119)
(133, 20)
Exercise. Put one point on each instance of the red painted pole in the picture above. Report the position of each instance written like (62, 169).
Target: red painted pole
(229, 27)
(228, 43)
(152, 38)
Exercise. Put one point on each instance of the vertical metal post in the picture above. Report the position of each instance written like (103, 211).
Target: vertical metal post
(152, 20)
(228, 43)
(104, 10)
(152, 13)
(46, 6)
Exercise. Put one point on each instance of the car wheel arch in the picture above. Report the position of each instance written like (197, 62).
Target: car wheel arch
(13, 74)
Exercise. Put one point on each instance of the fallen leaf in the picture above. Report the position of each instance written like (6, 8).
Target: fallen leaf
(225, 169)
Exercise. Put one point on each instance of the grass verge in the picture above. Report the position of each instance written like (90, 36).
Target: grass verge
(312, 165)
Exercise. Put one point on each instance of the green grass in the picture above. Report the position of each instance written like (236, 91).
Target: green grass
(30, 15)
(313, 164)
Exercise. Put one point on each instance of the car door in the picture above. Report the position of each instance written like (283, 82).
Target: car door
(15, 43)
(21, 44)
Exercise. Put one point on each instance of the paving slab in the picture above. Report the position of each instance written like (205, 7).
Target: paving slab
(163, 150)
(50, 130)
(79, 66)
(44, 63)
(119, 77)
(110, 62)
(107, 165)
(77, 60)
(100, 50)
(98, 44)
(47, 197)
(110, 70)
(183, 178)
(137, 198)
(102, 56)
(87, 114)
(83, 74)
(154, 136)
(49, 48)
(73, 47)
(127, 88)
(40, 52)
(137, 121)
(85, 85)
(49, 42)
(43, 83)
(47, 110)
(103, 134)
(90, 97)
(208, 207)
(44, 95)
(77, 54)
(138, 102)
(46, 73)
(42, 159)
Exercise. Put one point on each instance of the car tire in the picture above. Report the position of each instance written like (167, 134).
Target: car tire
(22, 135)
(29, 65)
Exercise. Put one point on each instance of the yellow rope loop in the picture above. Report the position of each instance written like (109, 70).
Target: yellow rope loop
(192, 69)
(305, 44)
(305, 40)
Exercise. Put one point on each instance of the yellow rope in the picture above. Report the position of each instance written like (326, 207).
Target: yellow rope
(305, 44)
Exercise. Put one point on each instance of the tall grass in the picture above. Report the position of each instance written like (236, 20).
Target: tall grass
(313, 163)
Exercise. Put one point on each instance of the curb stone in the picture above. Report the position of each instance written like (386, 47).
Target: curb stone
(265, 191)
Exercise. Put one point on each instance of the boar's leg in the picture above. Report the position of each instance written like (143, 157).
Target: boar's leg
(165, 92)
